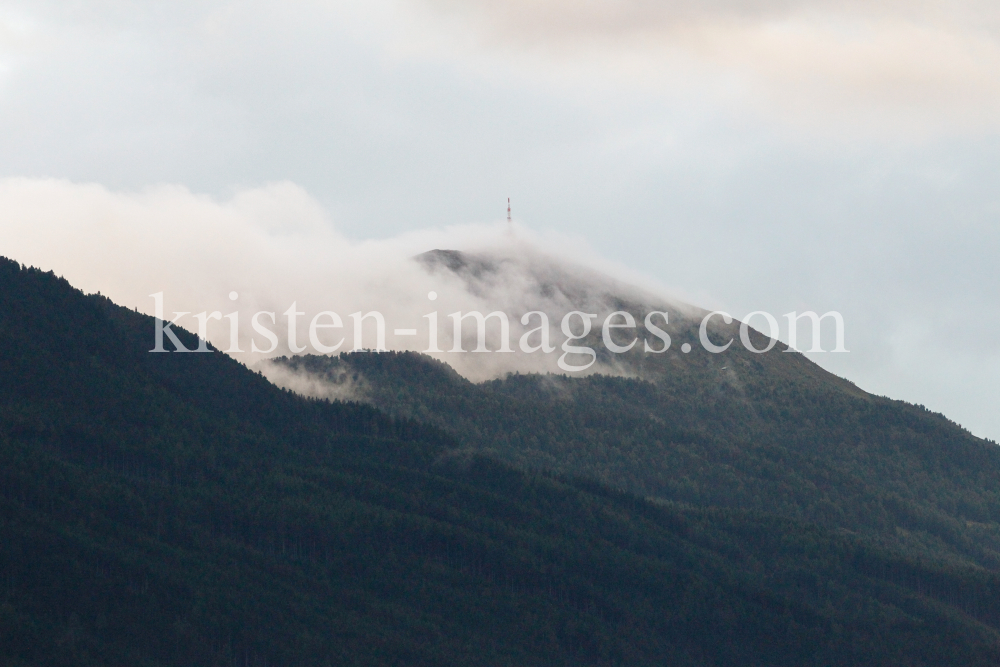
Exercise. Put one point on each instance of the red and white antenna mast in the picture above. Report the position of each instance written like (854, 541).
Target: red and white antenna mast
(508, 209)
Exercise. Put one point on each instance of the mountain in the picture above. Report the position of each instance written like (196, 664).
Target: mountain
(178, 509)
(544, 283)
(771, 432)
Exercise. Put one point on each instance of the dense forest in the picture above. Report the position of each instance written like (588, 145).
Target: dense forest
(178, 509)
(806, 447)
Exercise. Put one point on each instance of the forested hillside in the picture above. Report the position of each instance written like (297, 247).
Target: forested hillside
(771, 432)
(177, 509)
(795, 446)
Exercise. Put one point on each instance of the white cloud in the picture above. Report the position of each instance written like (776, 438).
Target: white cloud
(274, 246)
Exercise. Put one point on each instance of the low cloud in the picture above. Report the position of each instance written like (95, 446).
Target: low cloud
(273, 247)
(914, 336)
(343, 387)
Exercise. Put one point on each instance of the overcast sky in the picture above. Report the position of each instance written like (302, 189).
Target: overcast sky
(772, 155)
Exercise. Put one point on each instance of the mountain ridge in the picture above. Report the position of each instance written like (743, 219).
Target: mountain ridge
(177, 509)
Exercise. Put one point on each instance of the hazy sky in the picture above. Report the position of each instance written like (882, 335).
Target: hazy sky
(769, 155)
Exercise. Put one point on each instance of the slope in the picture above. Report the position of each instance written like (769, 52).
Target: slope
(746, 431)
(169, 509)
